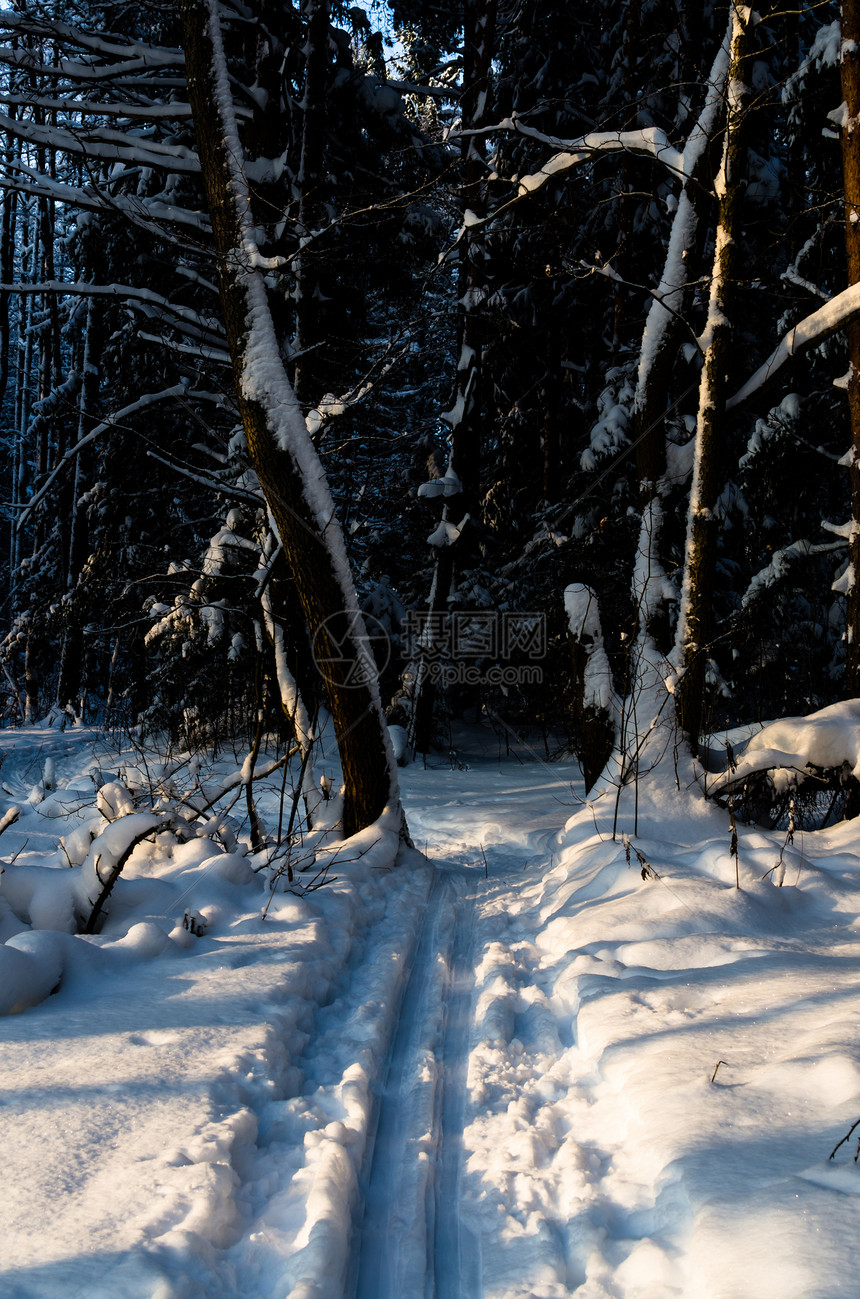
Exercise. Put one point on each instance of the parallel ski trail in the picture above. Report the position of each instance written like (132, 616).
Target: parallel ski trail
(411, 1241)
(456, 1253)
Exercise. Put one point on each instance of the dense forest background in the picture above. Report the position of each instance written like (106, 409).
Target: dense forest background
(529, 268)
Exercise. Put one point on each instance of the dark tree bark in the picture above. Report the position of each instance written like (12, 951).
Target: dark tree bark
(850, 72)
(7, 267)
(310, 180)
(69, 681)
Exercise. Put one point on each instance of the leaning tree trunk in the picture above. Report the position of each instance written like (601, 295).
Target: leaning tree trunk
(290, 474)
(694, 619)
(850, 72)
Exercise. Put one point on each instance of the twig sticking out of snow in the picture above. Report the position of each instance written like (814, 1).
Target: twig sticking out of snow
(846, 1138)
(646, 870)
(716, 1067)
(733, 846)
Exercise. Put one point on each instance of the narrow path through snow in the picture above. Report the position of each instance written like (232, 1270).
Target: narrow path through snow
(415, 1236)
(411, 1231)
(456, 1253)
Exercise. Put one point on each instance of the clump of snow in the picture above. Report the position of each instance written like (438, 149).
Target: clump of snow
(31, 965)
(583, 620)
(610, 432)
(113, 800)
(445, 533)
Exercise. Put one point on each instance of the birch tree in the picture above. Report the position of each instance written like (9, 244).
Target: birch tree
(695, 616)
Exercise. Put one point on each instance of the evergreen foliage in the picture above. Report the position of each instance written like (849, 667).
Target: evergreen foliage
(398, 245)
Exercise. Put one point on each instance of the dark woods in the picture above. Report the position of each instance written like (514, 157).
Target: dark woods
(520, 271)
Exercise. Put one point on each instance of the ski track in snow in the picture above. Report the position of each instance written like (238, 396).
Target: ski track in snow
(445, 1017)
(456, 1254)
(489, 1078)
(411, 1239)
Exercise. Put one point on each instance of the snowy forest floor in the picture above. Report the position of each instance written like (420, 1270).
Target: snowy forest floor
(486, 1077)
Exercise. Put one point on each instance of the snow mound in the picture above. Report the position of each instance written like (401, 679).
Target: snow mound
(31, 966)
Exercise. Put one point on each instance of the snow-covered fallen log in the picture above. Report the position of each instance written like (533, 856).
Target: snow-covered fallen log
(795, 748)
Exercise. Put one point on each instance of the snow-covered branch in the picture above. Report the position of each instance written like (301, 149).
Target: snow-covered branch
(107, 146)
(125, 293)
(127, 73)
(147, 212)
(809, 332)
(150, 56)
(178, 390)
(651, 142)
(780, 564)
(207, 480)
(71, 103)
(200, 350)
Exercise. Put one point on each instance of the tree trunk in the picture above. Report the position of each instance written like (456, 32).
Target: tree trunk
(850, 72)
(69, 681)
(661, 340)
(310, 179)
(281, 451)
(7, 265)
(694, 619)
(626, 200)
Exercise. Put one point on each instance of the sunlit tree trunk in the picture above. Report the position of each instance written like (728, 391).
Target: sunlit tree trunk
(694, 620)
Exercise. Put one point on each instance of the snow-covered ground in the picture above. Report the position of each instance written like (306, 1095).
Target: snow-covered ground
(526, 1069)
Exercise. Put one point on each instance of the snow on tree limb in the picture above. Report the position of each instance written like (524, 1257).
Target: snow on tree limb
(119, 148)
(118, 74)
(126, 293)
(152, 56)
(145, 212)
(650, 142)
(780, 564)
(174, 111)
(252, 499)
(668, 297)
(178, 390)
(809, 332)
